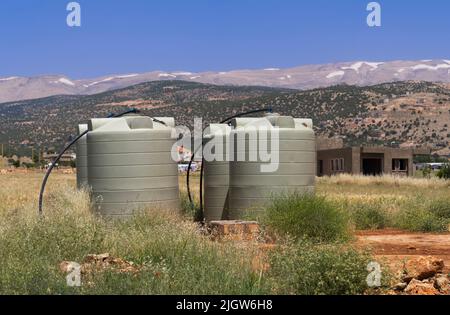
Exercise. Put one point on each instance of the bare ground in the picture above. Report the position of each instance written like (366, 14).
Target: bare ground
(394, 246)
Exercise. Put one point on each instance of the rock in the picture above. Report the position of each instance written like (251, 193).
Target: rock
(67, 266)
(100, 262)
(400, 286)
(416, 287)
(442, 284)
(94, 258)
(422, 268)
(235, 230)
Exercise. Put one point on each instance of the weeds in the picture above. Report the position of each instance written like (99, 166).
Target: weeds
(308, 269)
(306, 215)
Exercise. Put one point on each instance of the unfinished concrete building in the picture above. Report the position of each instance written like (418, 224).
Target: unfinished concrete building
(368, 160)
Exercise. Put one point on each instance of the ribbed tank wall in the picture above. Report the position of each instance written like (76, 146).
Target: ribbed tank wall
(81, 147)
(130, 167)
(250, 187)
(216, 172)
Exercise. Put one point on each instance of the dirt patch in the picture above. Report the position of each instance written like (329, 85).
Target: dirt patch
(394, 247)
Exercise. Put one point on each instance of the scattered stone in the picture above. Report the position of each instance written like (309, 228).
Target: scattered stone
(442, 284)
(416, 287)
(67, 266)
(400, 286)
(422, 268)
(98, 263)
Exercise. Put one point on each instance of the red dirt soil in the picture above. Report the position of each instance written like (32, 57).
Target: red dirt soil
(394, 246)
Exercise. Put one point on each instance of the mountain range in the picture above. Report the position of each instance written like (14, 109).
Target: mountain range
(359, 73)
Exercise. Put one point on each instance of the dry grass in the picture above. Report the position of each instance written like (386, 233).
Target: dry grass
(385, 180)
(175, 257)
(19, 189)
(185, 261)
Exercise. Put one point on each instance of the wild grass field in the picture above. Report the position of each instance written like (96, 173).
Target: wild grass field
(174, 255)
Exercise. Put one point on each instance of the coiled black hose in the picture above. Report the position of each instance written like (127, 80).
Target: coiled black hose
(228, 119)
(52, 165)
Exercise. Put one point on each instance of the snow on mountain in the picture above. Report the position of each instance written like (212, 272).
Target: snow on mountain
(335, 74)
(8, 79)
(432, 68)
(111, 78)
(357, 66)
(64, 81)
(166, 75)
(361, 73)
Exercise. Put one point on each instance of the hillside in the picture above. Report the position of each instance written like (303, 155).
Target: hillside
(409, 113)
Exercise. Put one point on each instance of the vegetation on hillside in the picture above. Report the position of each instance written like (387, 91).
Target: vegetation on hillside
(403, 112)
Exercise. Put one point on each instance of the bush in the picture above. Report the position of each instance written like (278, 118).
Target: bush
(307, 269)
(440, 208)
(420, 220)
(306, 215)
(444, 172)
(369, 216)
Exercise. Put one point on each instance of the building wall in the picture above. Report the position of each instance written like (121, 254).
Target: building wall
(328, 155)
(354, 156)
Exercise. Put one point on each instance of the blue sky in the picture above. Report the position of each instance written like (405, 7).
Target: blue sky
(196, 35)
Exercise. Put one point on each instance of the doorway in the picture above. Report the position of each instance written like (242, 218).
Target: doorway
(372, 166)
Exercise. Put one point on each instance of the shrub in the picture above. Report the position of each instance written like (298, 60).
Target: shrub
(444, 172)
(440, 208)
(306, 215)
(369, 216)
(307, 269)
(420, 220)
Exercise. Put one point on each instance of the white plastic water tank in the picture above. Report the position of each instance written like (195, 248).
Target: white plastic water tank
(81, 147)
(251, 188)
(130, 166)
(216, 172)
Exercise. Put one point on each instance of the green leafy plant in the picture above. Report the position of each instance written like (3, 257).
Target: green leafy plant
(306, 215)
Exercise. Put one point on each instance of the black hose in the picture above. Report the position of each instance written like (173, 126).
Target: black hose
(52, 165)
(131, 111)
(202, 217)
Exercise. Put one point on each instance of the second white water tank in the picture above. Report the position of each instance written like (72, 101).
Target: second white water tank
(251, 188)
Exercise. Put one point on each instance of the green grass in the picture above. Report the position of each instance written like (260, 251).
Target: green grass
(185, 262)
(306, 216)
(421, 215)
(311, 256)
(308, 269)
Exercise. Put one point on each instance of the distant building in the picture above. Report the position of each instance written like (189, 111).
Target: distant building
(66, 157)
(367, 160)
